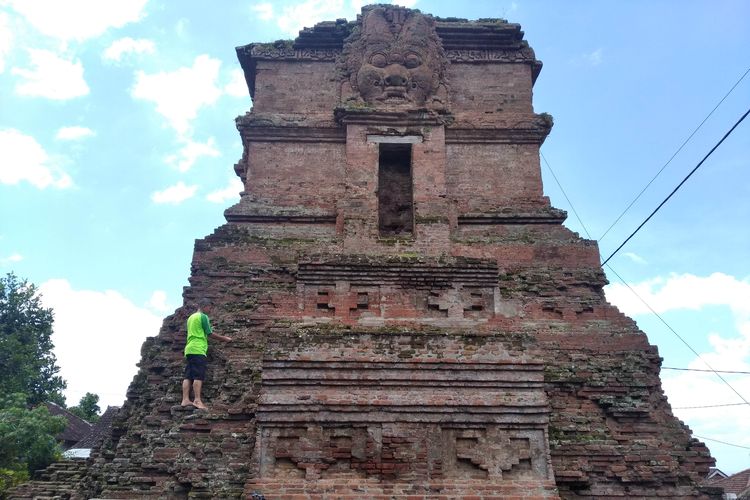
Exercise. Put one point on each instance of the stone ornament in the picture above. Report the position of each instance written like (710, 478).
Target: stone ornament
(522, 55)
(394, 58)
(272, 52)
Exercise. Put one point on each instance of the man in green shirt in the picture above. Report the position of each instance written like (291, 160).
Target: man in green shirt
(196, 347)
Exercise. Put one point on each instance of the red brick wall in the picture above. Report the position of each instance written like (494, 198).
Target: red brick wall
(483, 94)
(511, 176)
(295, 87)
(286, 174)
(476, 359)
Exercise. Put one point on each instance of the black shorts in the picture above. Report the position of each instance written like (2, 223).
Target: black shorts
(195, 369)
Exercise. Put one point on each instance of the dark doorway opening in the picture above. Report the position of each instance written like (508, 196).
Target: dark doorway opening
(395, 201)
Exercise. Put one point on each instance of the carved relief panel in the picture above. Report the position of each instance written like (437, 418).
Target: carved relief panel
(395, 57)
(374, 292)
(400, 420)
(494, 453)
(402, 451)
(357, 302)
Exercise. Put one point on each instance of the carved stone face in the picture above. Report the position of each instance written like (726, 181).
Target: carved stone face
(397, 59)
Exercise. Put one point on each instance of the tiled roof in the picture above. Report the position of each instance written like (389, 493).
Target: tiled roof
(736, 483)
(100, 430)
(76, 428)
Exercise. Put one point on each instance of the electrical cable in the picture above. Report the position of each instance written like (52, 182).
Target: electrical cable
(564, 194)
(678, 186)
(636, 293)
(678, 335)
(722, 442)
(745, 402)
(706, 406)
(702, 370)
(672, 157)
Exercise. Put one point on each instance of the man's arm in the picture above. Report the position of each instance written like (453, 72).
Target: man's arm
(223, 338)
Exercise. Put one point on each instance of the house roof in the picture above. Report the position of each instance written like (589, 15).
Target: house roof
(76, 428)
(100, 430)
(714, 474)
(736, 483)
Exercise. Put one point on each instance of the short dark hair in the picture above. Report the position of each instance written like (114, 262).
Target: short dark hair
(203, 303)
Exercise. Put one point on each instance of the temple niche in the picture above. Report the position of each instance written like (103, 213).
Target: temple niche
(411, 317)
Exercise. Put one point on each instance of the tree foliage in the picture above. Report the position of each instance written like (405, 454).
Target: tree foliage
(27, 362)
(88, 408)
(10, 478)
(27, 439)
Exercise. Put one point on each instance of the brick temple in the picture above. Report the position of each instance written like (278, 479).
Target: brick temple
(411, 318)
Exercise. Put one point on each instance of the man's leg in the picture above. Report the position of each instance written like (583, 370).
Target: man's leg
(186, 393)
(197, 385)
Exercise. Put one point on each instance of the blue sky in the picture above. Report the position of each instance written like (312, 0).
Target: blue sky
(117, 146)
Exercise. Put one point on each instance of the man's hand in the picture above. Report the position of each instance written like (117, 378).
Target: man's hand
(223, 338)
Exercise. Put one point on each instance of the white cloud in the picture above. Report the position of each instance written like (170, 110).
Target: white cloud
(180, 94)
(264, 11)
(635, 257)
(11, 259)
(237, 86)
(190, 152)
(405, 3)
(305, 14)
(127, 45)
(78, 19)
(593, 58)
(181, 28)
(684, 291)
(158, 301)
(98, 333)
(24, 159)
(727, 351)
(74, 133)
(174, 194)
(51, 76)
(231, 192)
(6, 39)
(686, 390)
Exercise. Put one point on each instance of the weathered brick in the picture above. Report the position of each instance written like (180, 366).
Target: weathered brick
(411, 319)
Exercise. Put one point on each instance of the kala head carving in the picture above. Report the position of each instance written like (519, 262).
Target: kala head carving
(394, 58)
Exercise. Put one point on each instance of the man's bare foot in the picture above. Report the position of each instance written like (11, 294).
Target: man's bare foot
(187, 403)
(199, 405)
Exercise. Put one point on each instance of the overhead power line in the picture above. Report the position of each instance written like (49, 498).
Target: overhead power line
(672, 157)
(636, 294)
(677, 334)
(625, 283)
(717, 373)
(565, 195)
(632, 290)
(701, 370)
(722, 442)
(678, 186)
(707, 406)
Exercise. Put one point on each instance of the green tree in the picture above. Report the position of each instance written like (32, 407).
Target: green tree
(27, 439)
(87, 408)
(27, 363)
